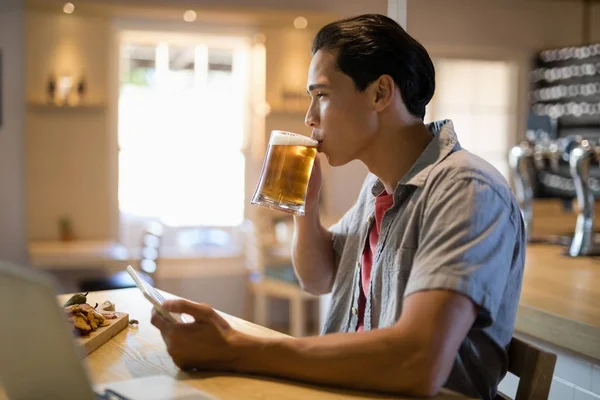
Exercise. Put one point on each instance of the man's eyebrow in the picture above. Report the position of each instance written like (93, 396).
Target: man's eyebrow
(316, 86)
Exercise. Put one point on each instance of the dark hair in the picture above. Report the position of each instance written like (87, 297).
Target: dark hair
(372, 45)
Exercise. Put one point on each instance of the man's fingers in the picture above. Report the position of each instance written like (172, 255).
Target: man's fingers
(316, 171)
(159, 321)
(200, 312)
(317, 164)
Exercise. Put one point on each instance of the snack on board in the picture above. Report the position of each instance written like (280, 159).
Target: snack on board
(84, 317)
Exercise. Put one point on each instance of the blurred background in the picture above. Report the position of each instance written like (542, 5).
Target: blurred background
(133, 131)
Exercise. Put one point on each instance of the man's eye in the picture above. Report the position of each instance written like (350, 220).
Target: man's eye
(319, 95)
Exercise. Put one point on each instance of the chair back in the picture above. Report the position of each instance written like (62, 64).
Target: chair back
(262, 242)
(533, 366)
(256, 247)
(150, 249)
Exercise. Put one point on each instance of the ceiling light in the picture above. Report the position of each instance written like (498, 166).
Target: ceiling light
(68, 8)
(300, 23)
(189, 16)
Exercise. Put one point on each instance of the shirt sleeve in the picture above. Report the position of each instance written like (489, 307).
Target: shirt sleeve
(467, 242)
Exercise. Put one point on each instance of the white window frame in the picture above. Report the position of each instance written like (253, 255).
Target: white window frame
(254, 137)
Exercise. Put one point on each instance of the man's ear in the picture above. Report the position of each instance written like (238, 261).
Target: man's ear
(383, 89)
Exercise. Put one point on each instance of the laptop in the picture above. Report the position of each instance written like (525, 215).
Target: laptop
(39, 358)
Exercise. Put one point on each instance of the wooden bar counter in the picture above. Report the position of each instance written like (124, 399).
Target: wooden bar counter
(560, 300)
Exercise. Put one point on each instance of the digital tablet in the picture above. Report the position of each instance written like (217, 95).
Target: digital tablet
(153, 296)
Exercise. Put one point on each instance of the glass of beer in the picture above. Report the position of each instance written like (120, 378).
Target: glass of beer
(285, 173)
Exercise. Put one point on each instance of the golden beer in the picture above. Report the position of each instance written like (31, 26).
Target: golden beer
(286, 171)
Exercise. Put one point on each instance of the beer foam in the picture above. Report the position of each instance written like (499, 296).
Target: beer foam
(281, 138)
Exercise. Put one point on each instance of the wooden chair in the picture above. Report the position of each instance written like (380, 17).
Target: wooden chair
(147, 266)
(271, 275)
(533, 366)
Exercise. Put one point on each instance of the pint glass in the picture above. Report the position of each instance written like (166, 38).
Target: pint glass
(285, 173)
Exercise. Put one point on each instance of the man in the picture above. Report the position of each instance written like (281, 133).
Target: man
(425, 268)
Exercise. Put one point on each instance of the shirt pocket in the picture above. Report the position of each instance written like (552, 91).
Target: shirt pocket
(398, 267)
(403, 264)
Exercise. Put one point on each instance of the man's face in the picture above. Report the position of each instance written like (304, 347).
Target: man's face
(343, 119)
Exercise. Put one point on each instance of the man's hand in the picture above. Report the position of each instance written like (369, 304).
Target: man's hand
(312, 251)
(203, 344)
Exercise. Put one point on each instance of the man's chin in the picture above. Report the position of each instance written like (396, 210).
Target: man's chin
(332, 161)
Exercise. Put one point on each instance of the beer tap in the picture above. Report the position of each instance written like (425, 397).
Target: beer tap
(554, 154)
(540, 152)
(547, 152)
(567, 144)
(521, 159)
(580, 159)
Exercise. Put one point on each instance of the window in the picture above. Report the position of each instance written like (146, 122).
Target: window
(182, 121)
(479, 97)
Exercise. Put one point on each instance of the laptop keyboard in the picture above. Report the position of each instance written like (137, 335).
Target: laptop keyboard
(110, 395)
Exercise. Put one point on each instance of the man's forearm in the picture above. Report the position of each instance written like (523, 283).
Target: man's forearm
(379, 360)
(312, 254)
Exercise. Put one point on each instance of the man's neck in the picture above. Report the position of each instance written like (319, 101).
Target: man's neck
(395, 151)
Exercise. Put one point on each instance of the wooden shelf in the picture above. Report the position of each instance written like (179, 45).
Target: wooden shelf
(42, 107)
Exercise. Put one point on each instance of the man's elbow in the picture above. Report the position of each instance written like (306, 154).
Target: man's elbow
(431, 376)
(427, 386)
(316, 288)
(428, 373)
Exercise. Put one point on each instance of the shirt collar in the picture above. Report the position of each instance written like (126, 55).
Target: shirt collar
(444, 143)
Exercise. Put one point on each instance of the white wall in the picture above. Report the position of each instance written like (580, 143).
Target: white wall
(12, 136)
(512, 30)
(67, 150)
(509, 24)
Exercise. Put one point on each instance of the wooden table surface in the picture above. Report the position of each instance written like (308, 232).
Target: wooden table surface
(139, 352)
(560, 300)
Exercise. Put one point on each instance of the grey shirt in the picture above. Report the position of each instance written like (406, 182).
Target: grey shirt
(455, 225)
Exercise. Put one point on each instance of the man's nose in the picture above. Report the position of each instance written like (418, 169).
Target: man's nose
(311, 120)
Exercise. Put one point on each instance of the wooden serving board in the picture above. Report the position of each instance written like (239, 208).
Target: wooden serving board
(103, 334)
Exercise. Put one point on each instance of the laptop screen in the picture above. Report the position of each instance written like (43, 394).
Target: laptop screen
(38, 353)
